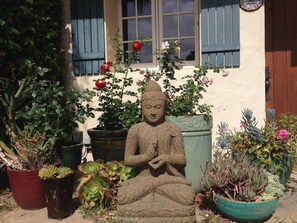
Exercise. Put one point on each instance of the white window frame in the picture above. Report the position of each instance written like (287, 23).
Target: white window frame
(157, 32)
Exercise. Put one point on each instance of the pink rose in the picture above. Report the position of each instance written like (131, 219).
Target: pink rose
(282, 133)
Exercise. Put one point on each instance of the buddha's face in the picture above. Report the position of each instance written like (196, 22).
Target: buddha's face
(153, 111)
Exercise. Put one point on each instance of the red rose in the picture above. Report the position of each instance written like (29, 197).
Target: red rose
(100, 83)
(137, 45)
(105, 66)
(107, 63)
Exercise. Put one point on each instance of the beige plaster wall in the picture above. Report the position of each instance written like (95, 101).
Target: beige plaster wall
(242, 88)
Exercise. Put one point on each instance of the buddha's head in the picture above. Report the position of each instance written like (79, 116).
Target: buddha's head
(153, 103)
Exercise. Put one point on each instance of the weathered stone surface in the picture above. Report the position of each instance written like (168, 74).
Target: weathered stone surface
(159, 193)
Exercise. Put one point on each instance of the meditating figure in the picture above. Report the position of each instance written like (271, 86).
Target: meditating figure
(159, 192)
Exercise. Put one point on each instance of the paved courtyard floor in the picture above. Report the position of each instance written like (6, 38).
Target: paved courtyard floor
(286, 212)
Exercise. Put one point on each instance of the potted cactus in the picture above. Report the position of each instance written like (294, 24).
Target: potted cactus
(58, 184)
(240, 190)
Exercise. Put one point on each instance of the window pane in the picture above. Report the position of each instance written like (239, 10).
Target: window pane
(146, 53)
(186, 5)
(129, 31)
(169, 6)
(144, 7)
(187, 49)
(128, 8)
(187, 25)
(145, 27)
(169, 26)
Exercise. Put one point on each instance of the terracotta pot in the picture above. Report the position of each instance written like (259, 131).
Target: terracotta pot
(26, 188)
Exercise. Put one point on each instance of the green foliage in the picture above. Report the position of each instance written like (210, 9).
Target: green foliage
(266, 145)
(98, 186)
(32, 38)
(233, 176)
(51, 171)
(31, 64)
(116, 110)
(56, 112)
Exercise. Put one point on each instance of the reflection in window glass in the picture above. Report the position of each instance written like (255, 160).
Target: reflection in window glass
(144, 7)
(128, 8)
(186, 5)
(186, 25)
(144, 27)
(129, 31)
(187, 49)
(169, 6)
(146, 53)
(170, 26)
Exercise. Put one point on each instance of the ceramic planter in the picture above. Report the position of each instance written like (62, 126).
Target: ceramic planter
(107, 145)
(71, 154)
(58, 194)
(196, 131)
(26, 188)
(245, 211)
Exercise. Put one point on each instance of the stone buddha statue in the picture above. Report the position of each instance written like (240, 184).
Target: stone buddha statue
(159, 192)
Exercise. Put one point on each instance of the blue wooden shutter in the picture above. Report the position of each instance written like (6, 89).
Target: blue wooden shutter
(220, 32)
(87, 36)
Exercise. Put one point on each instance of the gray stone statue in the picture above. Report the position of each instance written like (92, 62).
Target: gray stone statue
(159, 192)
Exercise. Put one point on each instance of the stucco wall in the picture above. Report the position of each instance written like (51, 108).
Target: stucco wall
(242, 88)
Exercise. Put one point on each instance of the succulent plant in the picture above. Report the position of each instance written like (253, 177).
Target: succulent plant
(89, 168)
(94, 192)
(48, 171)
(52, 171)
(274, 188)
(64, 172)
(98, 186)
(233, 176)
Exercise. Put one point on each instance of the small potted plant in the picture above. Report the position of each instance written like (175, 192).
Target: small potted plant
(118, 105)
(58, 184)
(240, 190)
(272, 146)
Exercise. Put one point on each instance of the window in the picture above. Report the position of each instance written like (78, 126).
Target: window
(163, 20)
(166, 20)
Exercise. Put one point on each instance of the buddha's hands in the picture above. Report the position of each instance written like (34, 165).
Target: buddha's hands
(158, 161)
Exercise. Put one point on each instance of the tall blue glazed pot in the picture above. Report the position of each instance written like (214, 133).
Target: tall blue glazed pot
(196, 131)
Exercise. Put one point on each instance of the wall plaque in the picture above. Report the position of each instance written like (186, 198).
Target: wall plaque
(250, 5)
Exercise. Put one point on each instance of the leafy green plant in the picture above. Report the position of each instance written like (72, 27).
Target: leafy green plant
(56, 112)
(52, 171)
(269, 145)
(112, 89)
(31, 40)
(98, 186)
(236, 178)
